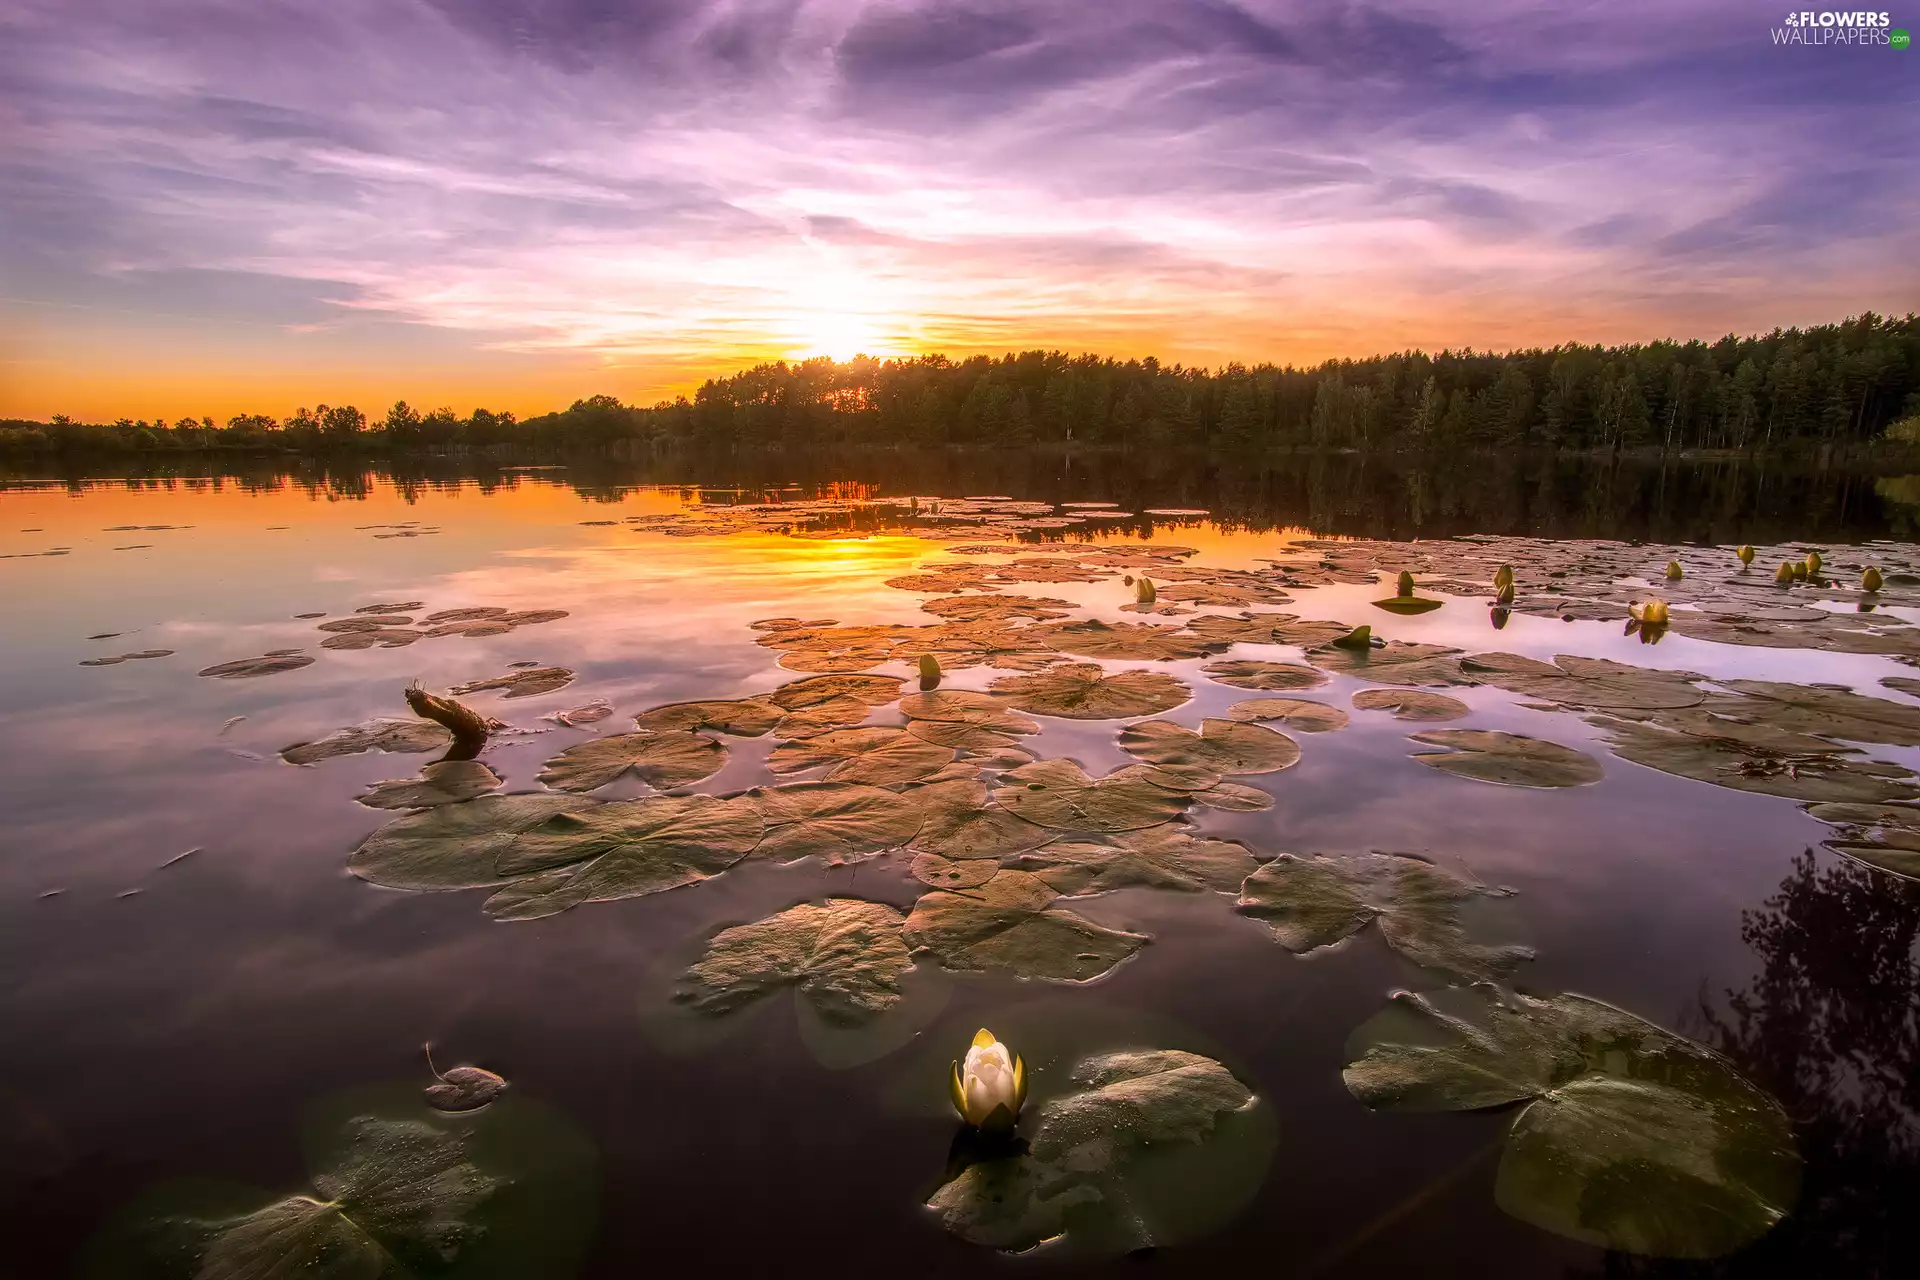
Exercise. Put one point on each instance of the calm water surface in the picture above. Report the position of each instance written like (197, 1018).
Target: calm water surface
(204, 1020)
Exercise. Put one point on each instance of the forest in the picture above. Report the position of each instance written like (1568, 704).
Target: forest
(1842, 384)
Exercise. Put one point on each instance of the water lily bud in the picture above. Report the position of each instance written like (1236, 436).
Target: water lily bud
(990, 1088)
(1784, 574)
(1813, 562)
(1801, 571)
(1506, 594)
(1674, 571)
(1746, 554)
(1144, 591)
(1650, 613)
(929, 667)
(1503, 577)
(1360, 637)
(1498, 617)
(1871, 580)
(1406, 584)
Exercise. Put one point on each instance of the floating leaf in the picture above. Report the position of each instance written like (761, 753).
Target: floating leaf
(373, 735)
(1009, 923)
(1076, 1178)
(1723, 760)
(1140, 641)
(942, 872)
(834, 821)
(1221, 747)
(1059, 794)
(742, 717)
(250, 668)
(1084, 691)
(844, 957)
(874, 691)
(460, 1089)
(623, 849)
(1883, 835)
(1407, 605)
(1233, 798)
(661, 760)
(400, 1192)
(1409, 704)
(118, 658)
(1315, 902)
(961, 706)
(453, 846)
(1833, 713)
(1302, 715)
(525, 683)
(1397, 663)
(878, 755)
(1632, 1138)
(442, 782)
(1508, 759)
(959, 823)
(1270, 676)
(1587, 682)
(1163, 857)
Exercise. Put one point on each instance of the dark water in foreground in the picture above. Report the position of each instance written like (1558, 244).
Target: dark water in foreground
(217, 1018)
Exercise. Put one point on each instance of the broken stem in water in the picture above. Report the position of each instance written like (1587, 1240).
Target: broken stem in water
(468, 727)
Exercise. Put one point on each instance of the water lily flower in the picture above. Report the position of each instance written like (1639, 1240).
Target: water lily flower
(1674, 571)
(1503, 577)
(1746, 554)
(1144, 592)
(1871, 580)
(990, 1089)
(1649, 613)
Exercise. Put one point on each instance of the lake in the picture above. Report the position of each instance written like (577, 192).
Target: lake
(1614, 969)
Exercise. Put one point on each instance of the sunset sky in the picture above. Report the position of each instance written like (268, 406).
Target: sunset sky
(225, 205)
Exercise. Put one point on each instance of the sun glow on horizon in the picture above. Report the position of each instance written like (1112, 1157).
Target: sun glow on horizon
(841, 335)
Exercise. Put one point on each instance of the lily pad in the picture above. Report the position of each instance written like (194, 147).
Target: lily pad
(115, 660)
(374, 735)
(835, 713)
(623, 849)
(960, 824)
(1723, 760)
(1221, 747)
(399, 1194)
(1231, 797)
(1399, 662)
(442, 782)
(1407, 605)
(844, 957)
(525, 683)
(878, 755)
(1084, 691)
(1507, 759)
(1833, 713)
(1059, 794)
(661, 760)
(835, 821)
(1137, 641)
(1587, 682)
(1316, 902)
(1632, 1138)
(962, 706)
(453, 846)
(1886, 836)
(1269, 676)
(1010, 923)
(742, 717)
(874, 691)
(1077, 1179)
(463, 1088)
(1410, 704)
(1303, 715)
(251, 668)
(1163, 857)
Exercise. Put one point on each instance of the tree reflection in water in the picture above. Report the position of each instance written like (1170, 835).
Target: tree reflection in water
(1831, 1024)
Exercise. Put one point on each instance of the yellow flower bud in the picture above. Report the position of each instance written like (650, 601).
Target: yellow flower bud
(1871, 580)
(1144, 591)
(1784, 574)
(1503, 577)
(989, 1090)
(1674, 571)
(1406, 584)
(1813, 562)
(1746, 554)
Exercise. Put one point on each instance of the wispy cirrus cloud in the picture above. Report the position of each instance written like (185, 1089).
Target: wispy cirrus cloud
(650, 192)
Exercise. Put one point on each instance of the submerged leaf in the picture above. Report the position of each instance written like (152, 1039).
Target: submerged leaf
(1508, 759)
(845, 957)
(1009, 923)
(525, 683)
(662, 760)
(1084, 691)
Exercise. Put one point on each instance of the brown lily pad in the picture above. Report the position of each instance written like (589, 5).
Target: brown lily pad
(1410, 704)
(663, 760)
(1085, 691)
(1269, 676)
(1507, 759)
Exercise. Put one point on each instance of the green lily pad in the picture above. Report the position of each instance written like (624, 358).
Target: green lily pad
(623, 849)
(1084, 691)
(399, 1195)
(1268, 676)
(878, 755)
(525, 683)
(442, 782)
(662, 760)
(1221, 747)
(1303, 715)
(1632, 1138)
(835, 821)
(271, 664)
(1010, 923)
(374, 735)
(742, 717)
(1163, 857)
(1409, 704)
(1507, 759)
(1316, 902)
(453, 846)
(844, 957)
(959, 823)
(1407, 605)
(1078, 1179)
(1059, 794)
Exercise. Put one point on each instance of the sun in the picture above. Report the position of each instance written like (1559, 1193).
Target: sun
(838, 335)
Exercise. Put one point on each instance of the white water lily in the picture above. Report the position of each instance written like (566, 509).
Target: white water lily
(989, 1089)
